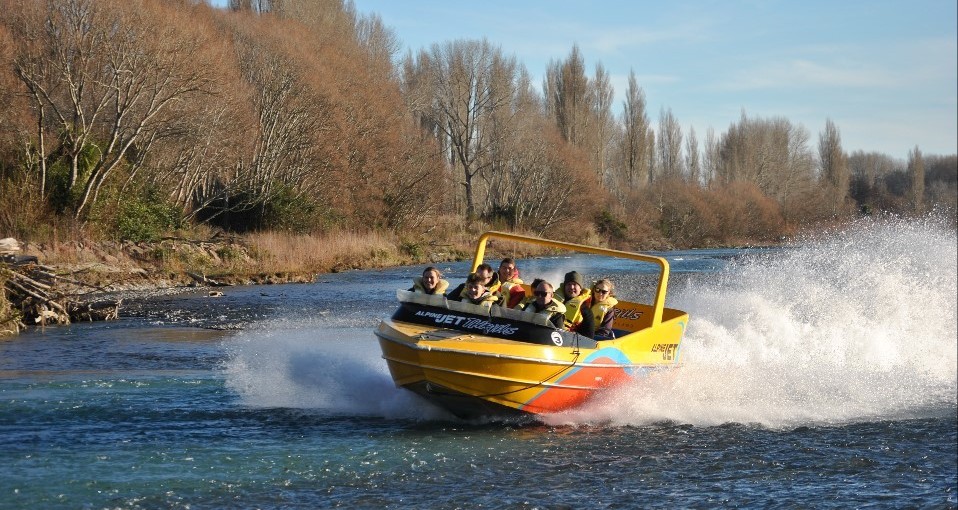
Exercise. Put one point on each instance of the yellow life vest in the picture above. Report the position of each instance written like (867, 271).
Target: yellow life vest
(493, 287)
(487, 300)
(600, 308)
(441, 286)
(494, 284)
(506, 290)
(573, 309)
(554, 307)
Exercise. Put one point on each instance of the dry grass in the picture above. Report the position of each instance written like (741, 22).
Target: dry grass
(290, 253)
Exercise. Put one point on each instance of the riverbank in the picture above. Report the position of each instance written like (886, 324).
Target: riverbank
(254, 259)
(107, 267)
(90, 269)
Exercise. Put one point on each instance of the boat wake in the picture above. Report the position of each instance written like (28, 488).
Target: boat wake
(858, 325)
(339, 371)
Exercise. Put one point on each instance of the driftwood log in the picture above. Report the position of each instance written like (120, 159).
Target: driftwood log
(42, 297)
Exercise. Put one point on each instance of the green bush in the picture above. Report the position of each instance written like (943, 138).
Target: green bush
(607, 224)
(62, 195)
(413, 249)
(146, 219)
(289, 211)
(230, 254)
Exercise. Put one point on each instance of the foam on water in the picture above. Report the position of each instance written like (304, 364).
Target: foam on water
(334, 370)
(858, 325)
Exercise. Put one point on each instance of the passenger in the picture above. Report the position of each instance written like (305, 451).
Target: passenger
(530, 297)
(430, 282)
(603, 308)
(476, 292)
(510, 290)
(545, 304)
(578, 303)
(490, 280)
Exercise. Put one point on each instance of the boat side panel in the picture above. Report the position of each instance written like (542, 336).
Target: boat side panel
(528, 377)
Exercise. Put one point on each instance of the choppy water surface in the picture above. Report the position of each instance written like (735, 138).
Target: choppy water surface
(821, 375)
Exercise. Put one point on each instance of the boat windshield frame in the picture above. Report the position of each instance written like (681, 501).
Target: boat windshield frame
(658, 305)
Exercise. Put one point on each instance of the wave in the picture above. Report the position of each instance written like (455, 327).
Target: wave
(855, 325)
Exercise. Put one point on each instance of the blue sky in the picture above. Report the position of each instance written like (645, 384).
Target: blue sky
(884, 71)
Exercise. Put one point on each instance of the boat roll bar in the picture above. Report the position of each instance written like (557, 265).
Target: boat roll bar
(663, 264)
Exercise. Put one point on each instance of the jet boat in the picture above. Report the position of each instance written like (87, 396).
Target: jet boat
(477, 361)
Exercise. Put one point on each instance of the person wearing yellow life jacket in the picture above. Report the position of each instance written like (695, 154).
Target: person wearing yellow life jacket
(490, 280)
(603, 308)
(545, 303)
(430, 282)
(578, 303)
(476, 292)
(511, 291)
(530, 297)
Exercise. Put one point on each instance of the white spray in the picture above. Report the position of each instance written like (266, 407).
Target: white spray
(858, 325)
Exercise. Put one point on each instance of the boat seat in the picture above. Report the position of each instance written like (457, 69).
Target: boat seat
(405, 296)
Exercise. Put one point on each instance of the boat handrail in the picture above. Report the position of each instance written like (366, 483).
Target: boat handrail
(658, 304)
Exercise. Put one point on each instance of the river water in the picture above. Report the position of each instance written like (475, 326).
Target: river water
(820, 375)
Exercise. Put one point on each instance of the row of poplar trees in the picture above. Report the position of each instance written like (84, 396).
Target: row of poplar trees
(303, 115)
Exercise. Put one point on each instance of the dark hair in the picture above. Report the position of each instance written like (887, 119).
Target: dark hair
(507, 260)
(536, 282)
(485, 267)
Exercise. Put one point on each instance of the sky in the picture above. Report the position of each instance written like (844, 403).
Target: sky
(885, 72)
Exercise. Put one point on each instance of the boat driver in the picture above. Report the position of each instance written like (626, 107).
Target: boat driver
(546, 305)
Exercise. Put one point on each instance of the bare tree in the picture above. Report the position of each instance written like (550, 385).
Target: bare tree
(711, 159)
(566, 90)
(106, 81)
(669, 146)
(916, 171)
(471, 83)
(692, 159)
(834, 164)
(602, 94)
(380, 42)
(868, 178)
(770, 153)
(544, 184)
(635, 141)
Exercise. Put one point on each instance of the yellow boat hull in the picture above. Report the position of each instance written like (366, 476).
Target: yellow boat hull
(475, 375)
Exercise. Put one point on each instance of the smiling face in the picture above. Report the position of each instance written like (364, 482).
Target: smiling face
(543, 294)
(429, 280)
(506, 270)
(474, 290)
(602, 289)
(601, 292)
(572, 289)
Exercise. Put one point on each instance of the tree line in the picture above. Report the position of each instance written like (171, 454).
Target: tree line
(125, 118)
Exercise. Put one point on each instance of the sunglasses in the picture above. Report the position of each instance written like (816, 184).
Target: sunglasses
(541, 293)
(601, 291)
